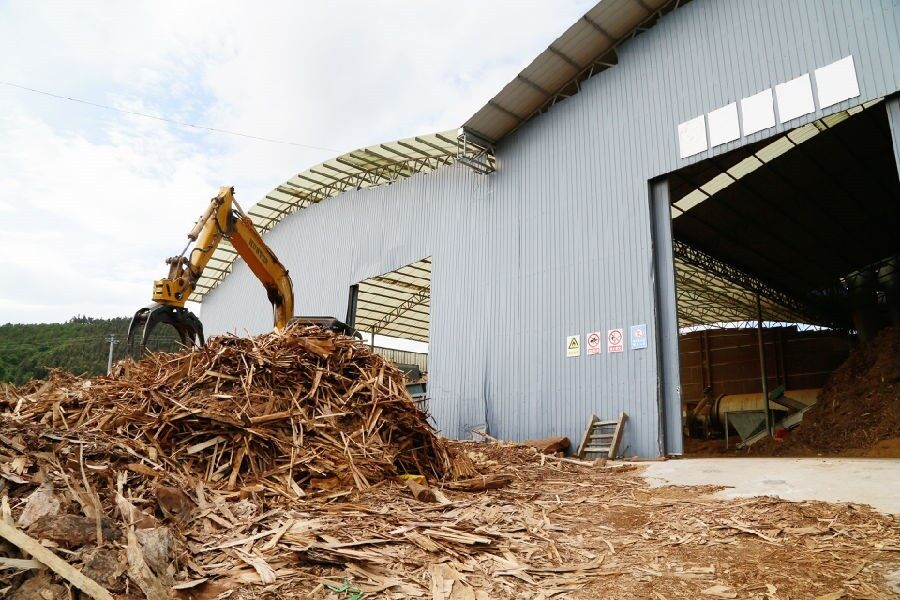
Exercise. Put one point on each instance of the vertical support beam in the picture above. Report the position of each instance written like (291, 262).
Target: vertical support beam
(892, 105)
(352, 302)
(669, 376)
(707, 365)
(762, 362)
(782, 361)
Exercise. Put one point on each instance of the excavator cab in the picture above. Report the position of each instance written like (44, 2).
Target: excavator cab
(329, 323)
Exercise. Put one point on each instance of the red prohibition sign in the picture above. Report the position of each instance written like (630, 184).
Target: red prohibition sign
(615, 337)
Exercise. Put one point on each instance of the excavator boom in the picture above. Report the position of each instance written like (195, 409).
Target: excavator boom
(222, 219)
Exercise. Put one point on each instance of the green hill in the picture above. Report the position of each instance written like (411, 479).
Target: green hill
(79, 346)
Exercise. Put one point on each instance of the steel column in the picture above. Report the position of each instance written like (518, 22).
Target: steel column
(892, 105)
(669, 378)
(762, 362)
(352, 302)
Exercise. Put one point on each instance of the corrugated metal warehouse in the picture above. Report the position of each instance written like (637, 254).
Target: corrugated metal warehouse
(663, 165)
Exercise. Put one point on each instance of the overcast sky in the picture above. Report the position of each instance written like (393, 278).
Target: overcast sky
(92, 201)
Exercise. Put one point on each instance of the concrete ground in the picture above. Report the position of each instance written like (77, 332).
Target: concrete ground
(863, 481)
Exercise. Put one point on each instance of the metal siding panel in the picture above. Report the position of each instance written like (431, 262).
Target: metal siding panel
(893, 113)
(558, 240)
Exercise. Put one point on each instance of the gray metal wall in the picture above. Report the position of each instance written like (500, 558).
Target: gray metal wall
(558, 240)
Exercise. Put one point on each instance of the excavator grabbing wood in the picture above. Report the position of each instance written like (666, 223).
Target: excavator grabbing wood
(222, 219)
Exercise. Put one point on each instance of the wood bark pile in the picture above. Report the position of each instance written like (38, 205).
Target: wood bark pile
(268, 468)
(278, 417)
(305, 406)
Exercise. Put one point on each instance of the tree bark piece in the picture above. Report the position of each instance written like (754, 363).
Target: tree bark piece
(549, 445)
(73, 531)
(31, 546)
(480, 484)
(422, 493)
(141, 573)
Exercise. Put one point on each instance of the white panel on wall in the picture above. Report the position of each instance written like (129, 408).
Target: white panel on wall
(836, 82)
(794, 98)
(758, 112)
(692, 137)
(723, 125)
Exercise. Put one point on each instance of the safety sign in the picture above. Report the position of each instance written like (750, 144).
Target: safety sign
(593, 342)
(639, 336)
(615, 340)
(573, 345)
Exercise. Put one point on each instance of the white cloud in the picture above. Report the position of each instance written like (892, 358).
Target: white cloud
(92, 201)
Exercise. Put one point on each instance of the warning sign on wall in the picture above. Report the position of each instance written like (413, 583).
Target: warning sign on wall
(615, 340)
(638, 337)
(573, 345)
(594, 340)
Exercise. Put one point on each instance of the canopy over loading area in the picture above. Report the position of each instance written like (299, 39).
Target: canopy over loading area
(395, 304)
(809, 220)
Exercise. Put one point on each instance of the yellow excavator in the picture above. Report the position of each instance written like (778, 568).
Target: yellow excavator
(222, 219)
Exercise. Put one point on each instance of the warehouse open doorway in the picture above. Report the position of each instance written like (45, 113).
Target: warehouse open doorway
(392, 312)
(784, 255)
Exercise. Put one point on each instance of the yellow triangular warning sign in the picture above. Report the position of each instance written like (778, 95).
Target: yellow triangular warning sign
(573, 345)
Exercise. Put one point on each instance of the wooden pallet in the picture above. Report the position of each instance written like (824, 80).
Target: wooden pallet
(601, 438)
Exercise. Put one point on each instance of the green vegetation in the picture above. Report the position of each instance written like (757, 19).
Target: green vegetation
(79, 346)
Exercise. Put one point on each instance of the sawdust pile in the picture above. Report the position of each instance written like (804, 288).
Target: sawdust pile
(858, 412)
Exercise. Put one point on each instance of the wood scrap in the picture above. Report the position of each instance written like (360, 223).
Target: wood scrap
(153, 586)
(480, 484)
(19, 564)
(31, 546)
(719, 591)
(315, 495)
(549, 445)
(422, 493)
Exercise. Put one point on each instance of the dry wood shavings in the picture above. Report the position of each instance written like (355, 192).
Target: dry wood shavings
(268, 467)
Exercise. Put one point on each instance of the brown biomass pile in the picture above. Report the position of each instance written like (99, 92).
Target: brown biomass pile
(282, 416)
(300, 408)
(139, 482)
(858, 409)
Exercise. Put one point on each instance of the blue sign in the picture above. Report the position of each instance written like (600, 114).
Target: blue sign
(638, 337)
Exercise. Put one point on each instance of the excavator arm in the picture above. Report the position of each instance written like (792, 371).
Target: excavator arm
(222, 219)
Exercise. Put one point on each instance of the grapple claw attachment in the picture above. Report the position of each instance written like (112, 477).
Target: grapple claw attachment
(145, 320)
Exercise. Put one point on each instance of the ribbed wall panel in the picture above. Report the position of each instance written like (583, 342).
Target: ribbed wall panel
(558, 240)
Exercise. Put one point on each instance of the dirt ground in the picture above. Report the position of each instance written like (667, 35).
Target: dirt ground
(558, 530)
(202, 473)
(570, 531)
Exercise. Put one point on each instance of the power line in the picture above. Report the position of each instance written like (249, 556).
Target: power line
(167, 120)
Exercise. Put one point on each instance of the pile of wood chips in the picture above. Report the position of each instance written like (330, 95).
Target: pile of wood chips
(176, 479)
(276, 418)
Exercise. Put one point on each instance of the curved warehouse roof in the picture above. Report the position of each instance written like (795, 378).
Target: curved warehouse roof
(585, 49)
(362, 168)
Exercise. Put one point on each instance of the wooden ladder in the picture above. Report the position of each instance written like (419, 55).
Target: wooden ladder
(601, 438)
